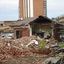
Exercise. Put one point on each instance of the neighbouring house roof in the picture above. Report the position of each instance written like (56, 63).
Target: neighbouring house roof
(40, 19)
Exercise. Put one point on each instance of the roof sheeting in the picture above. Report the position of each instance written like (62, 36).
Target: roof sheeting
(24, 22)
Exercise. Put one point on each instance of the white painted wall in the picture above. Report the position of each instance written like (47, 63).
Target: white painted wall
(28, 8)
(31, 8)
(30, 30)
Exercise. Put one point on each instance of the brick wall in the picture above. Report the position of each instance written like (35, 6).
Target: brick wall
(38, 7)
(22, 32)
(20, 8)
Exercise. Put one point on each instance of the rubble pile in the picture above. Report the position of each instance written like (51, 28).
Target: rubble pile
(13, 48)
(3, 53)
(23, 41)
(25, 50)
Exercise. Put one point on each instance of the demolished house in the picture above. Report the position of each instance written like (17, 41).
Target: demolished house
(40, 26)
(21, 50)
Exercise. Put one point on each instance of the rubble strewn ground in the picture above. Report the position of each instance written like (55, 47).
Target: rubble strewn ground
(17, 52)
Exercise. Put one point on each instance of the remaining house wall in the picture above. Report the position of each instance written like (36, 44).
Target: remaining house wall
(56, 35)
(22, 32)
(46, 28)
(35, 28)
(43, 27)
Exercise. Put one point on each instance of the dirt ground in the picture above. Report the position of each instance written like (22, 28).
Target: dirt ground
(35, 59)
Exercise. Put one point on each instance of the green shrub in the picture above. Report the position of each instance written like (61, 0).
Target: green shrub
(61, 44)
(41, 43)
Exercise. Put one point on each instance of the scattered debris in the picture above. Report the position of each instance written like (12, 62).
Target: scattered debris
(28, 50)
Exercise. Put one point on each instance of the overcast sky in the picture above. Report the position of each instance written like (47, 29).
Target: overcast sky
(55, 8)
(9, 9)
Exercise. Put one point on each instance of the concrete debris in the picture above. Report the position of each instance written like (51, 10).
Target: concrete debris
(51, 60)
(32, 42)
(54, 60)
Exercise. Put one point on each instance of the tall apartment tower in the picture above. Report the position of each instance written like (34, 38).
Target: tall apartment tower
(32, 8)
